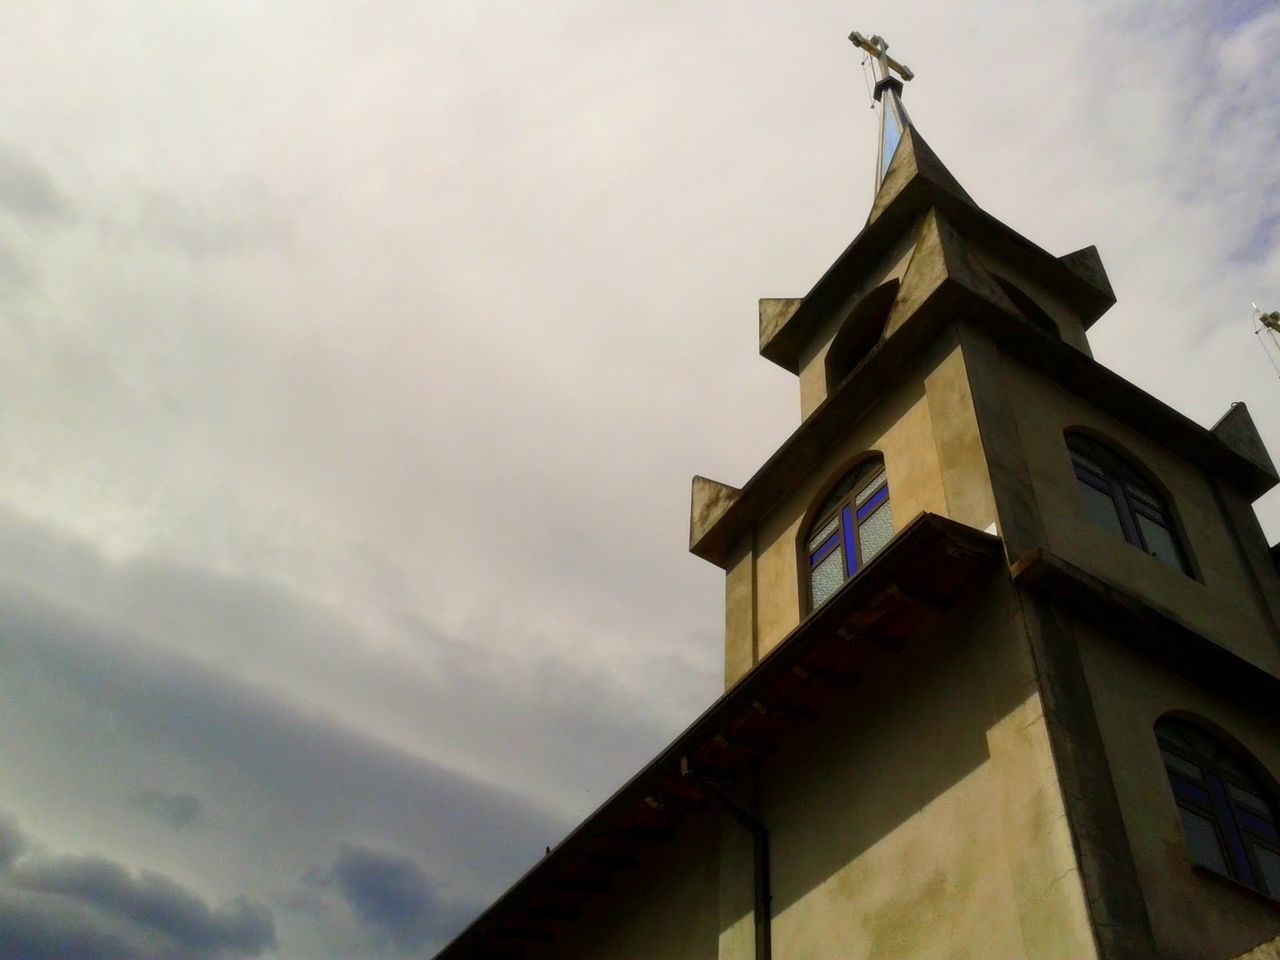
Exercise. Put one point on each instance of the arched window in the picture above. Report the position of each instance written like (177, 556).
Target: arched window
(1227, 814)
(851, 526)
(859, 333)
(1118, 498)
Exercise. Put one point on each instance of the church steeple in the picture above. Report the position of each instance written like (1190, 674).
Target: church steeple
(888, 93)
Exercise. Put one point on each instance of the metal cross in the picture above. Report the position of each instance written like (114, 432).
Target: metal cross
(878, 50)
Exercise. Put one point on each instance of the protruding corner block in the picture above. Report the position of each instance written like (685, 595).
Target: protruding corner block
(708, 504)
(1236, 430)
(774, 314)
(1086, 265)
(944, 276)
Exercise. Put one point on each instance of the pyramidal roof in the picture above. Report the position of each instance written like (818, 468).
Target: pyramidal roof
(913, 164)
(912, 182)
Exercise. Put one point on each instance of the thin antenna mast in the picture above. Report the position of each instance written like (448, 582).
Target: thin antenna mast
(1266, 327)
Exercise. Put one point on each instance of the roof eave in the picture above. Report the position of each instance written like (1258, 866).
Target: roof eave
(923, 571)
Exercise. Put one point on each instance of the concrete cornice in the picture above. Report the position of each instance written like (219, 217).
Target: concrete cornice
(1156, 632)
(926, 570)
(808, 446)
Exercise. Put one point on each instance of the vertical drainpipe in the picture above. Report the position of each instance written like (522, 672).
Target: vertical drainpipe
(763, 899)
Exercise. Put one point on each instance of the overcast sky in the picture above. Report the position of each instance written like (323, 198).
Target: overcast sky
(355, 359)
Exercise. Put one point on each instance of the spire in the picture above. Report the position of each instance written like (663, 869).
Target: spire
(888, 93)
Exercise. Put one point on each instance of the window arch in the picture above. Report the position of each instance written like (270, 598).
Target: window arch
(1121, 499)
(859, 333)
(1034, 313)
(851, 525)
(1228, 814)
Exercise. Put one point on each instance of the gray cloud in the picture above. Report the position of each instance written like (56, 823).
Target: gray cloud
(349, 412)
(393, 897)
(175, 809)
(331, 778)
(12, 841)
(27, 189)
(72, 907)
(213, 222)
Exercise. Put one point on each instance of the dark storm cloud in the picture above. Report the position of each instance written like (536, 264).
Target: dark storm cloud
(12, 842)
(176, 809)
(332, 778)
(275, 633)
(393, 897)
(27, 190)
(72, 907)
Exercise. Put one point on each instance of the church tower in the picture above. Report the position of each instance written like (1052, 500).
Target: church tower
(1002, 642)
(1097, 721)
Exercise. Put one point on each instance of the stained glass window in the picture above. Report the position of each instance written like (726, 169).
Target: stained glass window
(1228, 818)
(1118, 498)
(852, 525)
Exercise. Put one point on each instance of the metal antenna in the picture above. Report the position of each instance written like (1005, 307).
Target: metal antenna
(1268, 324)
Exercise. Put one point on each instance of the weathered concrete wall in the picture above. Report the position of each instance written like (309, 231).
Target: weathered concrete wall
(1194, 915)
(934, 461)
(900, 429)
(1070, 326)
(813, 360)
(1224, 601)
(922, 819)
(667, 907)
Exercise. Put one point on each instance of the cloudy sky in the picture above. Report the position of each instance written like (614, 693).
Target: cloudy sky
(355, 358)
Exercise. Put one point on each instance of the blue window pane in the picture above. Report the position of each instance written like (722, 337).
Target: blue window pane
(1269, 864)
(1247, 799)
(869, 507)
(827, 530)
(1184, 767)
(1242, 870)
(873, 486)
(821, 553)
(826, 577)
(1202, 841)
(875, 532)
(1257, 826)
(850, 548)
(1189, 791)
(1101, 509)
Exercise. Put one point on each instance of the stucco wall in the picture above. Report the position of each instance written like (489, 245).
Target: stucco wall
(1222, 602)
(1194, 916)
(813, 359)
(1070, 326)
(899, 428)
(926, 431)
(668, 907)
(923, 819)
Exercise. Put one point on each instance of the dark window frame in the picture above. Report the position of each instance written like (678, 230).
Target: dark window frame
(1240, 826)
(867, 475)
(1135, 496)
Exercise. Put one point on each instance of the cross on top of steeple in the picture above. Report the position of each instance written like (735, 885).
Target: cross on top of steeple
(888, 91)
(878, 49)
